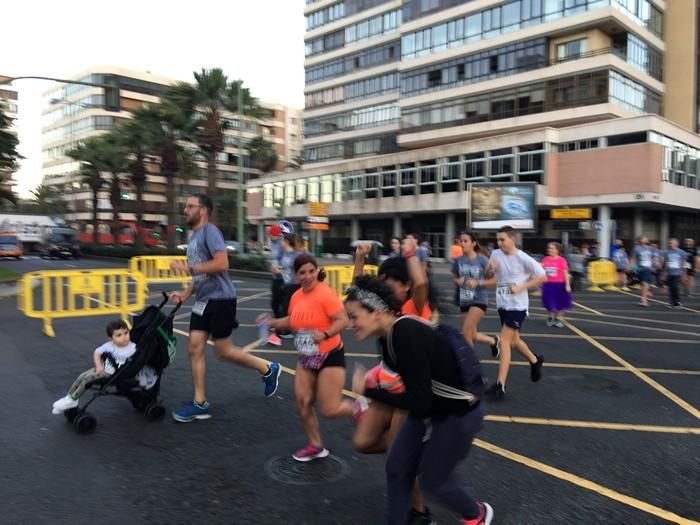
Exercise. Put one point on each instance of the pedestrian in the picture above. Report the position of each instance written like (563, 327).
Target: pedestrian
(395, 247)
(692, 264)
(214, 311)
(556, 291)
(276, 232)
(469, 271)
(643, 259)
(107, 358)
(577, 266)
(622, 264)
(456, 249)
(437, 432)
(317, 317)
(514, 273)
(290, 248)
(674, 265)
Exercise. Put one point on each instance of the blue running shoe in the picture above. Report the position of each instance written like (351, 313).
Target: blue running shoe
(191, 411)
(272, 379)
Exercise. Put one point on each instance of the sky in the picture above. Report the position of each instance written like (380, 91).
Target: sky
(260, 41)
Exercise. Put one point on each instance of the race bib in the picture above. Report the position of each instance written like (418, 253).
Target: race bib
(466, 295)
(550, 271)
(304, 343)
(198, 308)
(503, 289)
(645, 260)
(674, 264)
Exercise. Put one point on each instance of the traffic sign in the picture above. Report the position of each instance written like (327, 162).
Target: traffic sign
(570, 213)
(598, 226)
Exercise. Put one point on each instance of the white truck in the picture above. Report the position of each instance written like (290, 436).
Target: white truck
(31, 229)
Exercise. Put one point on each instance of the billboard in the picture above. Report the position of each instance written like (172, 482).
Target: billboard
(493, 205)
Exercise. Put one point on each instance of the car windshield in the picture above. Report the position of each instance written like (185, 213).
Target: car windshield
(62, 237)
(8, 239)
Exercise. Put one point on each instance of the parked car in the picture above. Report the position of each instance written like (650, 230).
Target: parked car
(10, 245)
(60, 242)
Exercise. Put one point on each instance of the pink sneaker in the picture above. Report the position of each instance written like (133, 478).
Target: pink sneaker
(484, 518)
(359, 407)
(274, 340)
(310, 452)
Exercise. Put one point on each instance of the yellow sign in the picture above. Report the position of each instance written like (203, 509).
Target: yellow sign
(316, 226)
(318, 209)
(570, 213)
(86, 284)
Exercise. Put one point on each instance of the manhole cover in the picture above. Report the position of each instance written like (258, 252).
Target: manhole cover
(286, 470)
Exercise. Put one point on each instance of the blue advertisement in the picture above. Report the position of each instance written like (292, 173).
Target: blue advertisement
(493, 206)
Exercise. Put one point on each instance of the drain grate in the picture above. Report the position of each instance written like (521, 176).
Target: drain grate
(286, 470)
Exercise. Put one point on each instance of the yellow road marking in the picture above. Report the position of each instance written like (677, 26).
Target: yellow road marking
(600, 425)
(646, 320)
(648, 380)
(638, 327)
(584, 483)
(596, 312)
(657, 301)
(616, 338)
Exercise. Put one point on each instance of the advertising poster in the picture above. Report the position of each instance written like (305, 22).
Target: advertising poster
(494, 205)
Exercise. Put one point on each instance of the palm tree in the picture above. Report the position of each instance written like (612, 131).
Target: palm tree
(89, 153)
(114, 160)
(8, 156)
(205, 102)
(46, 199)
(296, 163)
(262, 154)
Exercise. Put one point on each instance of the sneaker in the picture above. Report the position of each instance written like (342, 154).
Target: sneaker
(496, 346)
(274, 339)
(558, 323)
(536, 369)
(484, 518)
(643, 304)
(191, 411)
(272, 379)
(64, 404)
(416, 517)
(550, 321)
(310, 452)
(287, 335)
(359, 407)
(496, 392)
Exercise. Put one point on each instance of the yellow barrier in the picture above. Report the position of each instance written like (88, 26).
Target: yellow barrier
(80, 293)
(601, 273)
(156, 269)
(339, 278)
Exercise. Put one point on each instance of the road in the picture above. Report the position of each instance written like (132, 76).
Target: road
(610, 434)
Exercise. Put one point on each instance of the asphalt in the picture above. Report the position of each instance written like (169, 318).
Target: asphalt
(610, 434)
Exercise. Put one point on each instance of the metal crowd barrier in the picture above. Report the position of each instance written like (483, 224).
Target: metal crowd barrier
(156, 269)
(80, 293)
(601, 273)
(339, 277)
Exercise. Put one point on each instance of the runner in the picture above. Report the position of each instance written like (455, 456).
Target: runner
(469, 272)
(643, 258)
(692, 263)
(556, 292)
(214, 312)
(515, 272)
(276, 233)
(395, 247)
(317, 316)
(438, 431)
(674, 265)
(622, 264)
(291, 248)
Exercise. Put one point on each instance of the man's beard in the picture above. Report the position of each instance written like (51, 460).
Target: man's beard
(193, 220)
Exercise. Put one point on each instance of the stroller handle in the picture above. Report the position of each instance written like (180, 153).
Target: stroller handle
(166, 297)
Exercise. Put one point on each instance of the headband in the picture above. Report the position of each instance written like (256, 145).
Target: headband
(369, 299)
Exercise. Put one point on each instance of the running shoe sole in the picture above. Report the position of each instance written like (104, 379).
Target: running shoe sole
(488, 513)
(324, 453)
(182, 419)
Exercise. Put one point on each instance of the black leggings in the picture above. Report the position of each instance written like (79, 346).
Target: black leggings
(431, 449)
(674, 289)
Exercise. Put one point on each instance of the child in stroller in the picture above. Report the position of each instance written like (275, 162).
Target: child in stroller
(130, 364)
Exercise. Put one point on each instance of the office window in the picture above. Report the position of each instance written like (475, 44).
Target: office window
(572, 49)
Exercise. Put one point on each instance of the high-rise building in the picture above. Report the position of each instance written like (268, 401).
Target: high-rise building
(408, 102)
(75, 112)
(8, 95)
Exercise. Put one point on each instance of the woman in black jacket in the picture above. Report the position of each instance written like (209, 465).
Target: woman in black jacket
(442, 418)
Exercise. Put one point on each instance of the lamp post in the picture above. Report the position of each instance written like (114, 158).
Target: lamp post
(240, 217)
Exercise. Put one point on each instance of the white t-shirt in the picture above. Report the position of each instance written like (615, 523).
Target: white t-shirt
(513, 270)
(146, 377)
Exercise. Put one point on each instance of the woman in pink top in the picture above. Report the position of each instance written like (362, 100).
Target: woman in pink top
(556, 292)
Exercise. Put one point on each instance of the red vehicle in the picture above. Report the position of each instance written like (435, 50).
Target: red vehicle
(125, 237)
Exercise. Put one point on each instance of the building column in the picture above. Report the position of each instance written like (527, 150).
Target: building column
(354, 229)
(397, 229)
(638, 224)
(664, 230)
(604, 234)
(449, 232)
(261, 232)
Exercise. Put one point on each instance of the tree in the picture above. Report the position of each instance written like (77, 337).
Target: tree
(262, 154)
(205, 103)
(46, 199)
(89, 154)
(296, 163)
(8, 156)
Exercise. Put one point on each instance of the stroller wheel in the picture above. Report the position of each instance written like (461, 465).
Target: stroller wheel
(155, 411)
(85, 423)
(71, 414)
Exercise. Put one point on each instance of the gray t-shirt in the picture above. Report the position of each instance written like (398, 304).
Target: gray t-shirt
(471, 269)
(287, 264)
(644, 255)
(202, 246)
(674, 261)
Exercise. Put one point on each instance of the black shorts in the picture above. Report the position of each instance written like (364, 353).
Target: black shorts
(335, 357)
(512, 318)
(465, 308)
(219, 318)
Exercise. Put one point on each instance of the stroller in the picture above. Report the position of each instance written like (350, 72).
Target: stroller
(152, 332)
